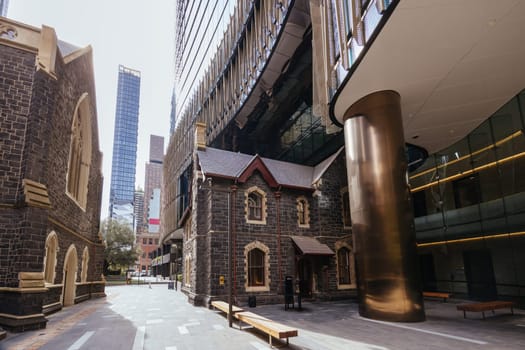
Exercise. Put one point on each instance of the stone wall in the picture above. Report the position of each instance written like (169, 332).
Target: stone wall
(35, 136)
(210, 241)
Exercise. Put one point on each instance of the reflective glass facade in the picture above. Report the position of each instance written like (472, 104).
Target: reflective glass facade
(3, 7)
(200, 28)
(469, 207)
(125, 145)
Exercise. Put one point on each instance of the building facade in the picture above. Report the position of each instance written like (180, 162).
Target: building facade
(138, 211)
(123, 166)
(298, 81)
(51, 252)
(149, 234)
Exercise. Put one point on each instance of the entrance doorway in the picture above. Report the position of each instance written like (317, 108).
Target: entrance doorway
(304, 272)
(479, 272)
(428, 273)
(70, 276)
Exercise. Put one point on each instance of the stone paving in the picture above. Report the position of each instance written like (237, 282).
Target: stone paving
(139, 317)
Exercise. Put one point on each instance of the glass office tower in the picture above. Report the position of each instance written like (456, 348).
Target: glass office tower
(3, 7)
(125, 146)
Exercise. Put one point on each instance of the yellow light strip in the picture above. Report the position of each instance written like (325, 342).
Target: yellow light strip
(497, 144)
(468, 172)
(460, 240)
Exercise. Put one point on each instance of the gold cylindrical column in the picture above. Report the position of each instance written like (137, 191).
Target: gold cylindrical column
(382, 216)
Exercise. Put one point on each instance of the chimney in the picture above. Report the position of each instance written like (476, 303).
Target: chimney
(200, 136)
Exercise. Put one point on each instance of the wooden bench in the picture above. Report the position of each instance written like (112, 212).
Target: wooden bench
(272, 328)
(440, 295)
(485, 306)
(224, 307)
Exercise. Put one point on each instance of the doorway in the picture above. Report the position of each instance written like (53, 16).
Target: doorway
(428, 272)
(479, 272)
(304, 272)
(70, 276)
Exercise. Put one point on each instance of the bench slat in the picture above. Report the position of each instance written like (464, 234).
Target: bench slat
(275, 329)
(224, 307)
(485, 306)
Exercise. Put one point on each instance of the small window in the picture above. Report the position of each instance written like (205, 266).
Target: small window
(151, 241)
(144, 241)
(303, 212)
(343, 264)
(255, 206)
(156, 241)
(347, 218)
(256, 268)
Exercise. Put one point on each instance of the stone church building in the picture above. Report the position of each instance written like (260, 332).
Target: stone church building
(51, 253)
(286, 221)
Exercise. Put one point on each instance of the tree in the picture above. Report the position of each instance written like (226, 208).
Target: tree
(121, 250)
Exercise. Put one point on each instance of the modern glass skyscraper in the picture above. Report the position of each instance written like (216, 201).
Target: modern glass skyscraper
(125, 145)
(3, 7)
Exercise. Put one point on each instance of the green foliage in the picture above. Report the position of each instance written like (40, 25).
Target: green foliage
(121, 250)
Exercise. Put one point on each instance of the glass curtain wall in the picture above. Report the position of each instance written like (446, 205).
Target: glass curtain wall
(469, 207)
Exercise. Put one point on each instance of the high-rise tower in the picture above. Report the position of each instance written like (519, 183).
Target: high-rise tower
(3, 7)
(148, 234)
(125, 145)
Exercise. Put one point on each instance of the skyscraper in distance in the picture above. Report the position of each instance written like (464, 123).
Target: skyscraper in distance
(3, 7)
(124, 160)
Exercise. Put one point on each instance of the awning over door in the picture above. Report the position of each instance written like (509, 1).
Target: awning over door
(311, 246)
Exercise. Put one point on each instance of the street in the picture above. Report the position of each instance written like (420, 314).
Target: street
(137, 317)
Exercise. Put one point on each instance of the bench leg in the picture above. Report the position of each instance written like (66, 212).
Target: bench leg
(464, 314)
(483, 313)
(512, 310)
(270, 340)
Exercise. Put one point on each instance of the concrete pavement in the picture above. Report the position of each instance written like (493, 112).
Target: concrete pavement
(138, 317)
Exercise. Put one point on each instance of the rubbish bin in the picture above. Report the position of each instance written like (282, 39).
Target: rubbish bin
(171, 285)
(252, 301)
(288, 292)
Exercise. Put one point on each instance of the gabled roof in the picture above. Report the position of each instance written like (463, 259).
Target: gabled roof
(239, 166)
(320, 168)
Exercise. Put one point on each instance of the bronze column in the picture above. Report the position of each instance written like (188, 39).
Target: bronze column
(382, 216)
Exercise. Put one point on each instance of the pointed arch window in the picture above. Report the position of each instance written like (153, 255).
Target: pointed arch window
(303, 212)
(345, 205)
(80, 152)
(257, 267)
(85, 265)
(50, 260)
(344, 266)
(255, 206)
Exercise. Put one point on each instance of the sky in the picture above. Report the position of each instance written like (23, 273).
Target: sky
(135, 33)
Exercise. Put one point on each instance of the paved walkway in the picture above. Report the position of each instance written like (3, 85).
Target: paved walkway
(139, 317)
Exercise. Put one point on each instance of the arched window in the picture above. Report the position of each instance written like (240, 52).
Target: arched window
(257, 267)
(187, 271)
(80, 152)
(345, 205)
(85, 264)
(255, 206)
(50, 260)
(303, 212)
(343, 266)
